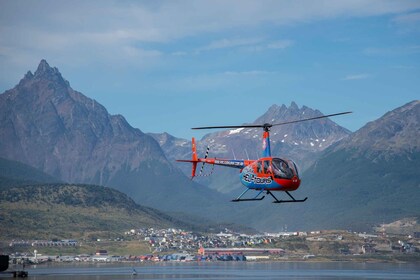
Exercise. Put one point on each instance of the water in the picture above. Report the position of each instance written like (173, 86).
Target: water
(226, 270)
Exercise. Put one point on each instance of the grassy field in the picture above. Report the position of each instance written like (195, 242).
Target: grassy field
(114, 248)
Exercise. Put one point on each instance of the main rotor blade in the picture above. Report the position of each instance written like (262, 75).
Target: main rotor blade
(309, 119)
(229, 126)
(268, 125)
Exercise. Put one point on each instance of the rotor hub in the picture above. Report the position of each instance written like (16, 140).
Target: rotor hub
(267, 126)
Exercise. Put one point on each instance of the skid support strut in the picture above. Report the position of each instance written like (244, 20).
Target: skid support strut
(256, 198)
(249, 199)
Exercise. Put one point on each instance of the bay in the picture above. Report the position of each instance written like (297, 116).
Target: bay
(225, 270)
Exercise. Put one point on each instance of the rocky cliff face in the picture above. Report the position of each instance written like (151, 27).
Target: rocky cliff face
(47, 124)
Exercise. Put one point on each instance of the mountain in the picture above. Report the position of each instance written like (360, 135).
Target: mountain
(302, 142)
(370, 177)
(13, 173)
(46, 124)
(73, 211)
(396, 133)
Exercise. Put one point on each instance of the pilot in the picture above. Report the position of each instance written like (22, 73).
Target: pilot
(284, 169)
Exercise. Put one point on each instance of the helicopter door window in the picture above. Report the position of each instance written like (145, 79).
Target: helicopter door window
(267, 168)
(259, 167)
(281, 169)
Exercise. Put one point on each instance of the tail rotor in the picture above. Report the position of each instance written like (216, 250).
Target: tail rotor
(195, 160)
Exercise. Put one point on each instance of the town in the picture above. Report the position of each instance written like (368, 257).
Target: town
(153, 245)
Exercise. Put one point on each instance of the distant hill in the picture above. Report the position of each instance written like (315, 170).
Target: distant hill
(13, 173)
(74, 211)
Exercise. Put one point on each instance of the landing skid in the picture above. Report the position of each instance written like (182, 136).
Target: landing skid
(247, 199)
(257, 198)
(283, 201)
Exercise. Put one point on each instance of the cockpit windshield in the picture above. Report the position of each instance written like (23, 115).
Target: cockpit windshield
(284, 168)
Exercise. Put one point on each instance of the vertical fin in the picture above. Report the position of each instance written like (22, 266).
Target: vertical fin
(194, 157)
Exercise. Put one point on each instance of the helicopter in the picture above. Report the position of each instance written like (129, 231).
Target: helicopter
(265, 175)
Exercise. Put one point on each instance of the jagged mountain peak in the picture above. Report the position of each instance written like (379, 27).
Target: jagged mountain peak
(277, 113)
(294, 106)
(45, 73)
(66, 134)
(311, 136)
(45, 68)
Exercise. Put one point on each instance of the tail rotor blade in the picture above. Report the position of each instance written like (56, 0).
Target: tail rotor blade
(205, 156)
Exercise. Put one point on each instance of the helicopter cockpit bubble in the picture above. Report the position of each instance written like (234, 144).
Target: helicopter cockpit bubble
(284, 168)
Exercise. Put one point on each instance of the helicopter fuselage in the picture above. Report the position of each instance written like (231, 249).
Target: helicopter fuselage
(268, 173)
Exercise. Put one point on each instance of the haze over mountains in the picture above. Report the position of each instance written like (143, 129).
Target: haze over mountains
(349, 178)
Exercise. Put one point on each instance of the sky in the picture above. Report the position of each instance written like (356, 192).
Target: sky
(167, 66)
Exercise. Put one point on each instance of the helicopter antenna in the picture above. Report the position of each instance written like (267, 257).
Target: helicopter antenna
(233, 152)
(246, 152)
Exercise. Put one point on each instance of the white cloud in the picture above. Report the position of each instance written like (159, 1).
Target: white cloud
(161, 21)
(399, 50)
(247, 44)
(280, 44)
(248, 73)
(411, 18)
(112, 31)
(356, 77)
(230, 43)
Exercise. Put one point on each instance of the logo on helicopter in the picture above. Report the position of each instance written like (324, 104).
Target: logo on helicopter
(252, 178)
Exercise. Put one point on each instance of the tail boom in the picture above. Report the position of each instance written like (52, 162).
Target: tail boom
(214, 161)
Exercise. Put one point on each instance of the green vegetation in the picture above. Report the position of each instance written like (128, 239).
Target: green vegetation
(120, 248)
(72, 211)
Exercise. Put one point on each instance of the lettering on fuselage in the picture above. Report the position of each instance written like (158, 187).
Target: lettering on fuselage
(229, 162)
(252, 178)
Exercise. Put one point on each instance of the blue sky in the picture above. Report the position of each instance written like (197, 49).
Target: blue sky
(167, 66)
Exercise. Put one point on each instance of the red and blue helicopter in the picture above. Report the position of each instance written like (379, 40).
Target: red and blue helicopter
(264, 175)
